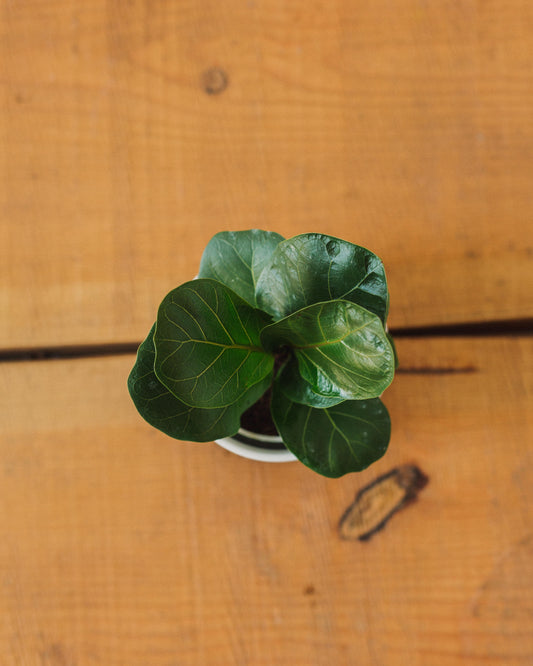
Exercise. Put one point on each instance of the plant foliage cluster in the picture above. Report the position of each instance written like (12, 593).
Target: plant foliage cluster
(318, 304)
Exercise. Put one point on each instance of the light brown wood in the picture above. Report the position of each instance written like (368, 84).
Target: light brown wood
(131, 132)
(121, 546)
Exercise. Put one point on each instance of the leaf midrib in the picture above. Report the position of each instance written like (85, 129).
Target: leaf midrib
(326, 343)
(252, 348)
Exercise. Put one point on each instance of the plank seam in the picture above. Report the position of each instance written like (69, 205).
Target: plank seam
(511, 327)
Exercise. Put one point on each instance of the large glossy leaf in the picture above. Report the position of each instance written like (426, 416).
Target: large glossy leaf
(294, 386)
(161, 409)
(208, 352)
(311, 268)
(237, 258)
(342, 349)
(345, 438)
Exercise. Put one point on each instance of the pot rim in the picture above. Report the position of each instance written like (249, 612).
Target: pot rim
(254, 452)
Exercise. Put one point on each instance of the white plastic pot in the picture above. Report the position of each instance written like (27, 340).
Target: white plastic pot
(257, 447)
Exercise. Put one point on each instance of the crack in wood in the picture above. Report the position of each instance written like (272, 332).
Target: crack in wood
(491, 328)
(67, 352)
(437, 370)
(511, 327)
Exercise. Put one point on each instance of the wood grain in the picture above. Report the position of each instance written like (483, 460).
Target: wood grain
(406, 128)
(121, 546)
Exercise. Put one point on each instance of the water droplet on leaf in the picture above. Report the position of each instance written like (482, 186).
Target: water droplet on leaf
(332, 248)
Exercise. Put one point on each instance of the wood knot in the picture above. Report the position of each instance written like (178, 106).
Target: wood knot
(376, 503)
(214, 81)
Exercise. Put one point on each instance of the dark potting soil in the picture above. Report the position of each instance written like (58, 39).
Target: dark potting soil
(257, 418)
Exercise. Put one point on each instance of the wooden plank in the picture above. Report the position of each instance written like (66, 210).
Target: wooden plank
(121, 546)
(405, 129)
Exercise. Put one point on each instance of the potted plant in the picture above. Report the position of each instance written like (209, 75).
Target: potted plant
(279, 346)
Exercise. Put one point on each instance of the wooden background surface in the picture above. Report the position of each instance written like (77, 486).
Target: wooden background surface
(130, 133)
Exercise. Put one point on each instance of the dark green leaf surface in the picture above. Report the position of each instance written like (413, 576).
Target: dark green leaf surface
(345, 438)
(292, 384)
(208, 352)
(396, 359)
(237, 258)
(341, 348)
(164, 411)
(312, 268)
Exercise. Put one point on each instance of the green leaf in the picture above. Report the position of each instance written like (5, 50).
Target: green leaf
(342, 349)
(208, 352)
(312, 268)
(237, 258)
(297, 389)
(156, 404)
(396, 359)
(345, 438)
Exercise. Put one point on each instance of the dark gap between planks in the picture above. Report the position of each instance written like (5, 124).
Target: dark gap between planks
(469, 329)
(68, 352)
(510, 327)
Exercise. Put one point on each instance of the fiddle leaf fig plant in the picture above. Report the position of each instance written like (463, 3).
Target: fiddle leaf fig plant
(302, 319)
